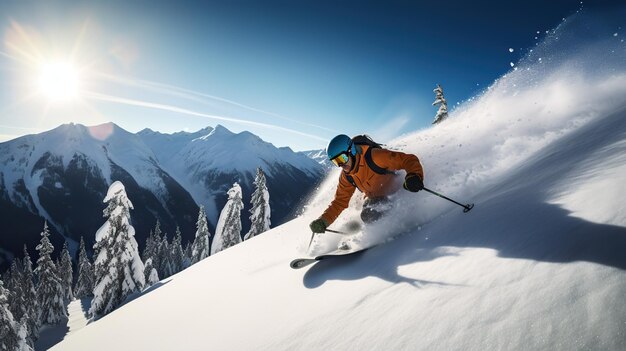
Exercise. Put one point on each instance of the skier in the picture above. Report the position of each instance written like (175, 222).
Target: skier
(372, 170)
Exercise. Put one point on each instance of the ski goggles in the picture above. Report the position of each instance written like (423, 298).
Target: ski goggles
(340, 160)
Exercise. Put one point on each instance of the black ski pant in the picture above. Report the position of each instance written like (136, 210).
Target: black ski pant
(375, 208)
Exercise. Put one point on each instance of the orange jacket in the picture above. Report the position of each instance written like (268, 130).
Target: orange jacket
(369, 182)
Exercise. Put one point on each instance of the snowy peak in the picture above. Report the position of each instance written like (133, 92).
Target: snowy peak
(219, 132)
(320, 157)
(148, 133)
(221, 149)
(208, 166)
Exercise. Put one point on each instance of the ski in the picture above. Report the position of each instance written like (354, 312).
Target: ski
(301, 262)
(305, 261)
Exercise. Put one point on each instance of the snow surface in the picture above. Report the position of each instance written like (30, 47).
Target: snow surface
(538, 264)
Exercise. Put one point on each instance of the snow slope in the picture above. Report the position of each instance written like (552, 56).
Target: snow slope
(539, 263)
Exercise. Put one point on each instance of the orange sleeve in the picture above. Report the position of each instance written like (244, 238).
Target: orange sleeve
(396, 160)
(341, 201)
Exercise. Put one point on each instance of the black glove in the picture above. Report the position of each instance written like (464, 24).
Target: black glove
(413, 183)
(319, 225)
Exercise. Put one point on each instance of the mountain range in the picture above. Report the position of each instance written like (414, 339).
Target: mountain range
(62, 175)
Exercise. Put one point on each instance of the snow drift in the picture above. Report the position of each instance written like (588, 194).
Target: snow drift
(539, 263)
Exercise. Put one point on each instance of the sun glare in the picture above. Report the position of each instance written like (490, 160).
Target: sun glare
(58, 81)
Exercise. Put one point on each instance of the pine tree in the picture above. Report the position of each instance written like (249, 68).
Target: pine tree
(156, 251)
(119, 269)
(152, 276)
(13, 284)
(260, 211)
(442, 113)
(50, 290)
(200, 247)
(177, 256)
(164, 258)
(85, 282)
(13, 335)
(187, 257)
(149, 247)
(66, 274)
(17, 299)
(32, 309)
(148, 255)
(228, 230)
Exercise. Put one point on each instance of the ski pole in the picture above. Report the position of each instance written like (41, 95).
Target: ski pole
(336, 231)
(466, 208)
(311, 241)
(328, 230)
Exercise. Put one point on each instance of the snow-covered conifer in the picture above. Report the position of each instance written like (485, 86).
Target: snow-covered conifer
(66, 274)
(442, 113)
(148, 249)
(166, 269)
(152, 276)
(84, 284)
(260, 211)
(177, 256)
(119, 269)
(200, 248)
(228, 230)
(13, 335)
(187, 256)
(156, 249)
(149, 253)
(13, 284)
(31, 308)
(50, 290)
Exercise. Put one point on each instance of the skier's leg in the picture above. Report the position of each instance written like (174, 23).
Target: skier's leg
(374, 209)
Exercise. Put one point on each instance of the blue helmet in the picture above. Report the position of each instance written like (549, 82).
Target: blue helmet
(339, 145)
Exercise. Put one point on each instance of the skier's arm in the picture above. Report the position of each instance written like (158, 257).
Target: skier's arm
(396, 160)
(341, 201)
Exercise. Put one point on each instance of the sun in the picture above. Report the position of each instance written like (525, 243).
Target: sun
(59, 81)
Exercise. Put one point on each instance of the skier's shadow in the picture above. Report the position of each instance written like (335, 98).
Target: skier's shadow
(357, 266)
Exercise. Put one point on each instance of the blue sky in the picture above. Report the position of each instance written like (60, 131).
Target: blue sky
(293, 72)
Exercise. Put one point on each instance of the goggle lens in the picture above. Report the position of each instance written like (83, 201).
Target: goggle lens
(340, 160)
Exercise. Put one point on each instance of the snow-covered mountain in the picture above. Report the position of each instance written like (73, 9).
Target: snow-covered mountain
(320, 157)
(538, 264)
(63, 174)
(209, 161)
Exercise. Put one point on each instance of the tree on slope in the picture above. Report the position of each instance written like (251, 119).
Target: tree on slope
(18, 296)
(12, 334)
(200, 247)
(187, 257)
(32, 311)
(177, 256)
(50, 290)
(228, 230)
(66, 274)
(442, 113)
(166, 269)
(260, 211)
(149, 254)
(13, 285)
(84, 284)
(119, 269)
(151, 274)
